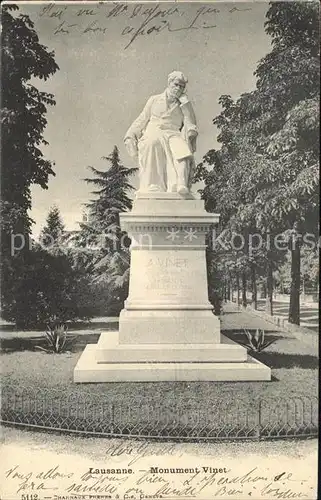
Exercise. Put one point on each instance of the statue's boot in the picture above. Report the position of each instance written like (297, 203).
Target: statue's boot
(153, 188)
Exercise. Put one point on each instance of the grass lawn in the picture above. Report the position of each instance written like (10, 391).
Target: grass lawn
(294, 372)
(292, 375)
(41, 376)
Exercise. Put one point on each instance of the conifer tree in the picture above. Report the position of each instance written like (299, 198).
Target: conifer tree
(54, 228)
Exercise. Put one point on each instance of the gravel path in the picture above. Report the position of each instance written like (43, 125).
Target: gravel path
(237, 319)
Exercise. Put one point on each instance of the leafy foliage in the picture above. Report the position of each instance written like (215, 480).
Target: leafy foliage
(56, 338)
(23, 109)
(23, 121)
(55, 289)
(264, 178)
(256, 341)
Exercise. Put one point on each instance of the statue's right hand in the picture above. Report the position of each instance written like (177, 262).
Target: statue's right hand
(183, 99)
(131, 146)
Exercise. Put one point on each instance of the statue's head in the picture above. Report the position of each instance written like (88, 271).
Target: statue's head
(176, 83)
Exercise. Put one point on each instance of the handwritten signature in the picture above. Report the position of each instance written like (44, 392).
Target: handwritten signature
(135, 453)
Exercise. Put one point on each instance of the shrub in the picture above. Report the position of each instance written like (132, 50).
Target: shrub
(56, 338)
(46, 286)
(256, 341)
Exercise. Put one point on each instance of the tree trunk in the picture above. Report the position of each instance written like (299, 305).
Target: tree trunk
(294, 310)
(244, 301)
(263, 291)
(229, 289)
(117, 242)
(281, 286)
(253, 286)
(237, 290)
(269, 287)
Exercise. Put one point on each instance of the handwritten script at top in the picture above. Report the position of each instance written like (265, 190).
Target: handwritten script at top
(137, 20)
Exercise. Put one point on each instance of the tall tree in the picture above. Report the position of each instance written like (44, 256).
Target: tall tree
(53, 229)
(112, 189)
(265, 175)
(23, 120)
(288, 84)
(103, 225)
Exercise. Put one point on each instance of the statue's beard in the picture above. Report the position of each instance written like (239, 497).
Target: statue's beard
(172, 95)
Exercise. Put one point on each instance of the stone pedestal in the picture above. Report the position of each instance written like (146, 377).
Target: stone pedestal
(167, 330)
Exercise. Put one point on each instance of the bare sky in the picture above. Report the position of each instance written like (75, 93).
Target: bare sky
(102, 85)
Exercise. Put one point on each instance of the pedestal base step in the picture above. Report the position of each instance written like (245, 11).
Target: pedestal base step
(109, 350)
(89, 371)
(181, 325)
